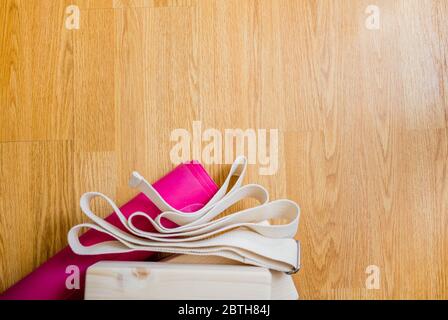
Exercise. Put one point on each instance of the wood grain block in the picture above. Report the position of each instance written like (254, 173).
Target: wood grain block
(161, 280)
(282, 285)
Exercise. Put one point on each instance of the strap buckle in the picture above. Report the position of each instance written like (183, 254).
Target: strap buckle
(296, 269)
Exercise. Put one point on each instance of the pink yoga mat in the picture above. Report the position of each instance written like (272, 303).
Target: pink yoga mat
(187, 186)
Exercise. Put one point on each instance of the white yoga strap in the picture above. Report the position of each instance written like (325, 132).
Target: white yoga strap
(245, 236)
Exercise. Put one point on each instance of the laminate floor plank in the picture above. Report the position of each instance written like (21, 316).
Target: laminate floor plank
(36, 72)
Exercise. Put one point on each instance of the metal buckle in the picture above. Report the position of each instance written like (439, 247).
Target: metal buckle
(296, 269)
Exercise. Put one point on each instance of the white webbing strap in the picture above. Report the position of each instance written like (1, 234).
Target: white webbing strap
(244, 236)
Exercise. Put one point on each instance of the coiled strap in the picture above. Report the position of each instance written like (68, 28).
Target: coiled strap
(245, 236)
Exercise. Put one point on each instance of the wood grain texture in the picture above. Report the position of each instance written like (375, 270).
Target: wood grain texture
(36, 199)
(95, 110)
(124, 280)
(120, 4)
(361, 114)
(36, 72)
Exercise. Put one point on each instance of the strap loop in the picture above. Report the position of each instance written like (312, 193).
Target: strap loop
(245, 236)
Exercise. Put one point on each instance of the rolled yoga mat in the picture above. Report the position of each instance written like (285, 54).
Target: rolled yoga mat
(188, 187)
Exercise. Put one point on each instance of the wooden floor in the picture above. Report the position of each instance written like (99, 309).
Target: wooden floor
(362, 116)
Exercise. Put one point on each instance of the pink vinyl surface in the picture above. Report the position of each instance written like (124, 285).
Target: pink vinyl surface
(188, 187)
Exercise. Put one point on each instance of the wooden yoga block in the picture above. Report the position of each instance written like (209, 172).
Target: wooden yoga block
(163, 280)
